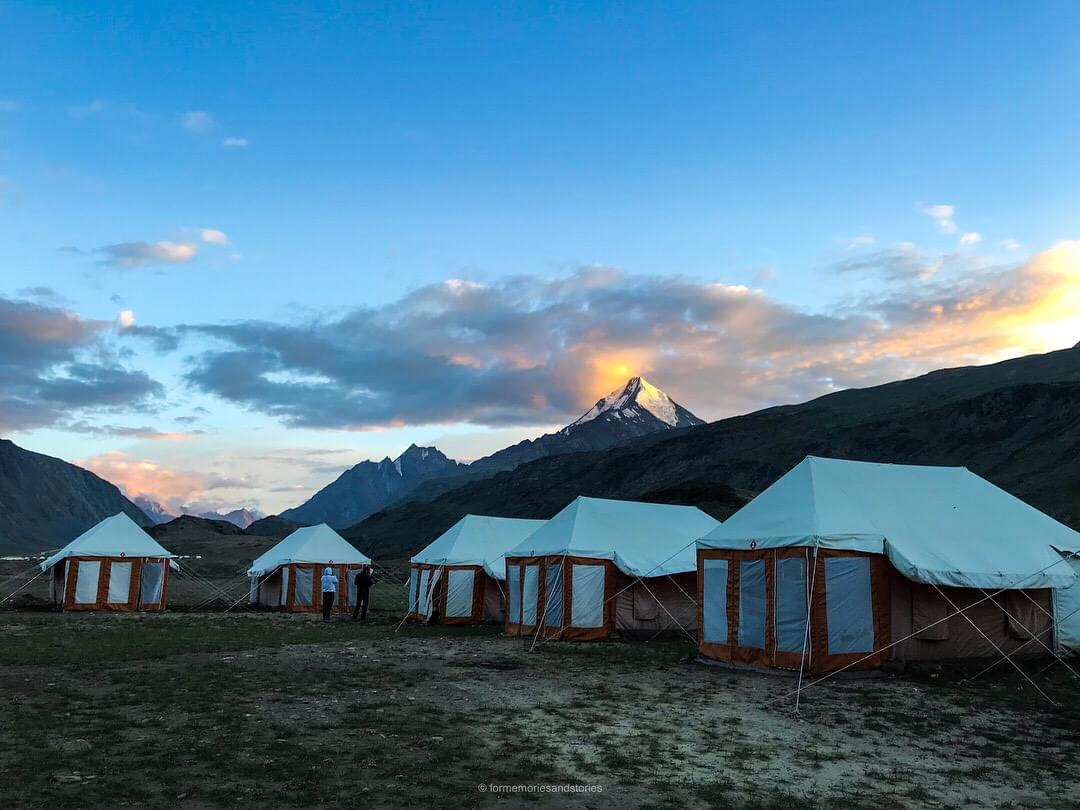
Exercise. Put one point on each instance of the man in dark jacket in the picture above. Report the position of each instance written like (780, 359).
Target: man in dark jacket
(363, 586)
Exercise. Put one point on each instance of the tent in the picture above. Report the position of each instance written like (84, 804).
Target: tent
(1067, 607)
(604, 566)
(849, 564)
(458, 577)
(287, 576)
(113, 566)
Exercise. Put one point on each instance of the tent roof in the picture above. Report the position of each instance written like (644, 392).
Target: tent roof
(311, 544)
(478, 540)
(116, 536)
(642, 539)
(938, 525)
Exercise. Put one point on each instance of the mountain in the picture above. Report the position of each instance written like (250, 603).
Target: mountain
(636, 409)
(158, 513)
(46, 502)
(185, 526)
(238, 517)
(1016, 423)
(371, 486)
(273, 526)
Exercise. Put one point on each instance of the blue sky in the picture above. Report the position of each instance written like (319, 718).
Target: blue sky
(274, 197)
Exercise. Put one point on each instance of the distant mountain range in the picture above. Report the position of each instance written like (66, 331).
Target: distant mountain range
(45, 502)
(1016, 423)
(159, 513)
(635, 409)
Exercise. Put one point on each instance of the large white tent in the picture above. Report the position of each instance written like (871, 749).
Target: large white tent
(114, 565)
(601, 566)
(287, 575)
(458, 575)
(1067, 606)
(869, 548)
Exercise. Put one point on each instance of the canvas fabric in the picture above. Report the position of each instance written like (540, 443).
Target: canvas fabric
(296, 587)
(111, 583)
(463, 594)
(595, 587)
(312, 545)
(640, 539)
(915, 605)
(936, 525)
(477, 540)
(1067, 614)
(751, 608)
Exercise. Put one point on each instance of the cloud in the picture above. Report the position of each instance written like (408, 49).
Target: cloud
(149, 433)
(862, 240)
(235, 143)
(903, 262)
(177, 489)
(54, 364)
(1010, 244)
(125, 319)
(144, 254)
(970, 238)
(197, 122)
(213, 236)
(943, 215)
(535, 351)
(115, 113)
(43, 294)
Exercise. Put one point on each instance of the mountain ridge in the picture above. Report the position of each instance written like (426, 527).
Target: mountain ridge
(1016, 423)
(635, 409)
(46, 502)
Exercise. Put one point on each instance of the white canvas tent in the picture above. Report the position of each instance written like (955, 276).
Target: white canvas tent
(287, 575)
(458, 575)
(1067, 607)
(868, 549)
(601, 566)
(114, 565)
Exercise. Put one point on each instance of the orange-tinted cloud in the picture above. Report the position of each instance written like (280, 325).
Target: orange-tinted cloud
(173, 488)
(528, 350)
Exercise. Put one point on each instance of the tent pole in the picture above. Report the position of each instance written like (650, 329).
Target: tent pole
(806, 637)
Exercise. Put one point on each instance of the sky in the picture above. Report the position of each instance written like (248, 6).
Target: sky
(244, 246)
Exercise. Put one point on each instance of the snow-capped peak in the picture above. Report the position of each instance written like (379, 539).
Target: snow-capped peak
(637, 392)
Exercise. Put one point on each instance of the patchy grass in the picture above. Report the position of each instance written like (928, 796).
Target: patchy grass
(224, 709)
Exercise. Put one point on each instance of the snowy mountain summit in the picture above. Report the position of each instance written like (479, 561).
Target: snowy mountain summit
(639, 400)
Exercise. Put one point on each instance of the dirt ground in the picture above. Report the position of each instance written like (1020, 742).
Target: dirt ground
(243, 709)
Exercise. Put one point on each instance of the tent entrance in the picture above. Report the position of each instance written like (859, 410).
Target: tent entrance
(561, 597)
(789, 608)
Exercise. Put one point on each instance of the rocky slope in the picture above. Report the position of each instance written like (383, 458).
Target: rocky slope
(371, 486)
(46, 502)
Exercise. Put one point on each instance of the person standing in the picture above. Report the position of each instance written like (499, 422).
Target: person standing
(363, 587)
(329, 592)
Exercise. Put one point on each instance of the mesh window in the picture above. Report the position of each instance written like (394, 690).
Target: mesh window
(790, 604)
(849, 609)
(752, 604)
(715, 601)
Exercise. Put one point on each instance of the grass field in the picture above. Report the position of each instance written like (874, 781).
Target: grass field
(242, 709)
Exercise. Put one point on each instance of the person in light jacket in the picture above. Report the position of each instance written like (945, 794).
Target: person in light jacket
(329, 592)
